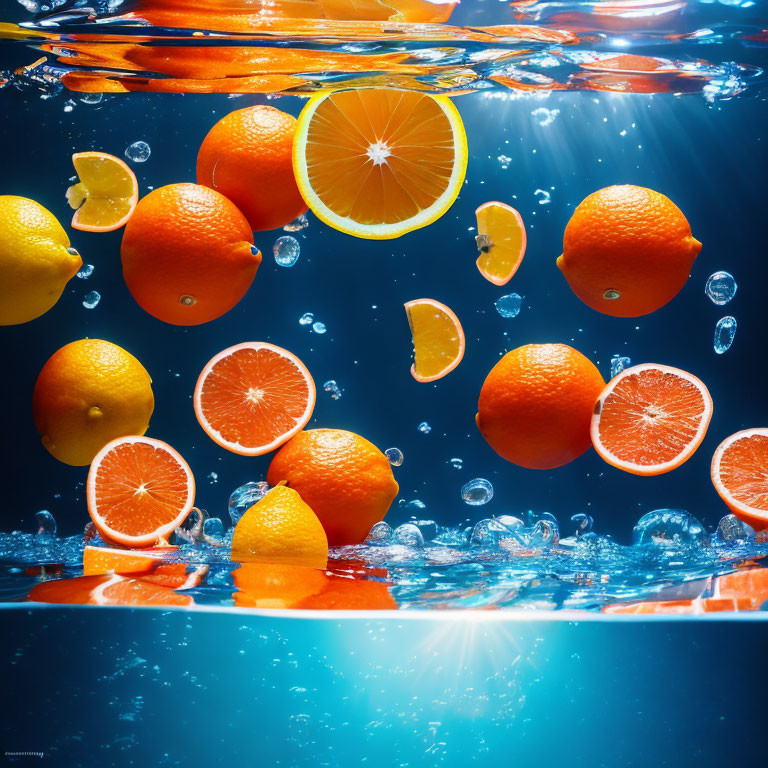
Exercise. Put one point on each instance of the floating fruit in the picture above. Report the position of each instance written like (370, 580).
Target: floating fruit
(627, 251)
(253, 397)
(88, 393)
(36, 260)
(139, 491)
(438, 339)
(346, 480)
(105, 196)
(98, 560)
(501, 240)
(536, 404)
(378, 162)
(188, 254)
(650, 419)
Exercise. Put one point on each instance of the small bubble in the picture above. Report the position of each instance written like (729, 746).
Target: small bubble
(318, 327)
(91, 299)
(187, 300)
(457, 463)
(306, 318)
(618, 364)
(286, 251)
(381, 533)
(395, 456)
(583, 523)
(333, 389)
(476, 492)
(213, 527)
(725, 331)
(544, 116)
(612, 294)
(504, 161)
(424, 428)
(85, 272)
(213, 477)
(409, 535)
(509, 305)
(91, 98)
(138, 152)
(244, 497)
(69, 105)
(544, 197)
(46, 523)
(297, 224)
(721, 287)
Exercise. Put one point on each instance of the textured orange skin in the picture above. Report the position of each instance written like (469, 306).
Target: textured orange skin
(187, 240)
(536, 404)
(627, 239)
(346, 480)
(247, 157)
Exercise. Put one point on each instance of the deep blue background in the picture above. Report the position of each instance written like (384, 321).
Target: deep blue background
(710, 160)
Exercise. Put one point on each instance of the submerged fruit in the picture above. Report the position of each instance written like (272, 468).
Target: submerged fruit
(139, 491)
(275, 585)
(378, 162)
(346, 480)
(740, 475)
(88, 393)
(280, 528)
(253, 397)
(247, 157)
(627, 251)
(188, 254)
(438, 339)
(98, 560)
(536, 404)
(501, 240)
(105, 196)
(36, 260)
(650, 419)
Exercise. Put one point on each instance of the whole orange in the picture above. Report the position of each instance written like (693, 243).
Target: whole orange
(346, 480)
(627, 251)
(536, 405)
(188, 254)
(247, 157)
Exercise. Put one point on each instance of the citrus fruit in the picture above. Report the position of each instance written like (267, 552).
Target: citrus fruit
(501, 240)
(36, 260)
(188, 254)
(536, 404)
(627, 251)
(740, 475)
(176, 576)
(280, 528)
(106, 194)
(695, 606)
(88, 393)
(650, 419)
(139, 491)
(253, 397)
(98, 560)
(346, 480)
(438, 339)
(275, 585)
(247, 157)
(378, 162)
(342, 594)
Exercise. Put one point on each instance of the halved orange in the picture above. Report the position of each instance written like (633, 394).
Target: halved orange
(139, 491)
(106, 194)
(650, 419)
(98, 560)
(501, 240)
(740, 475)
(379, 162)
(253, 397)
(438, 339)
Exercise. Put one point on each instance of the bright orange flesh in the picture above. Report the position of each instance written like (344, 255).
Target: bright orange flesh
(501, 240)
(139, 490)
(253, 397)
(650, 419)
(438, 339)
(98, 560)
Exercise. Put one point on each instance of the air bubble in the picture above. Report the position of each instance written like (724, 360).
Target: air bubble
(476, 492)
(509, 305)
(611, 294)
(86, 271)
(721, 287)
(424, 428)
(725, 331)
(333, 389)
(286, 251)
(306, 319)
(187, 300)
(618, 364)
(318, 327)
(395, 456)
(138, 152)
(91, 299)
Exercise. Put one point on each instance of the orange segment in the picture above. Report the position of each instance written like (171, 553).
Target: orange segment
(106, 194)
(501, 240)
(740, 475)
(438, 339)
(376, 162)
(139, 491)
(650, 419)
(98, 560)
(253, 397)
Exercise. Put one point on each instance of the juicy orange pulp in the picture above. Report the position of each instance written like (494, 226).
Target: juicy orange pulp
(438, 339)
(502, 241)
(98, 560)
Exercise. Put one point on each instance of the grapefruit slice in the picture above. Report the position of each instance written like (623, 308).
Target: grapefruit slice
(438, 339)
(650, 419)
(501, 240)
(253, 397)
(106, 194)
(379, 162)
(139, 491)
(740, 475)
(98, 560)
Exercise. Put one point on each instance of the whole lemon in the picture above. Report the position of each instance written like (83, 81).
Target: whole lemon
(36, 260)
(87, 394)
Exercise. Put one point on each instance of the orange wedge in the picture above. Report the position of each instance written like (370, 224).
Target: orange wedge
(106, 194)
(98, 560)
(253, 397)
(501, 240)
(438, 339)
(139, 491)
(650, 419)
(740, 475)
(378, 162)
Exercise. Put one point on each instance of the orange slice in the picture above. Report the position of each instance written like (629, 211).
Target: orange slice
(378, 162)
(253, 397)
(106, 194)
(695, 606)
(740, 475)
(438, 339)
(176, 576)
(501, 240)
(139, 491)
(98, 560)
(650, 419)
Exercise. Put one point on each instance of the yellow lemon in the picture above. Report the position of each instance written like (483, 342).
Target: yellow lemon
(36, 260)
